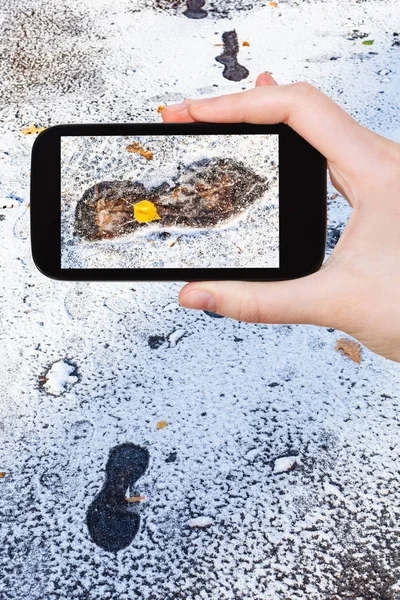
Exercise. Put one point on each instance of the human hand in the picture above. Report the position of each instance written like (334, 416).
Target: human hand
(357, 289)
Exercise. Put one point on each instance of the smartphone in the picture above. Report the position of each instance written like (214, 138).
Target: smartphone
(177, 201)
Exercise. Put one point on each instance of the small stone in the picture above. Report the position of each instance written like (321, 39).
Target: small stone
(175, 337)
(200, 522)
(286, 463)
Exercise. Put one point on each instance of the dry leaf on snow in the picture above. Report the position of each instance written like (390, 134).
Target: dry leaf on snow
(135, 498)
(349, 348)
(138, 149)
(32, 129)
(161, 424)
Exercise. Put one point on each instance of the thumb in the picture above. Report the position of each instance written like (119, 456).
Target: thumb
(304, 300)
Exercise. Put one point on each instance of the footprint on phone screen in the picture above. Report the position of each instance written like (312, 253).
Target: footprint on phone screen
(111, 522)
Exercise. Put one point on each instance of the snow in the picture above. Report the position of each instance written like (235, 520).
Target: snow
(227, 388)
(286, 463)
(59, 378)
(200, 522)
(175, 336)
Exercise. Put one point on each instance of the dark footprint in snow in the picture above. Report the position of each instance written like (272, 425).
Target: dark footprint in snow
(195, 9)
(232, 69)
(112, 524)
(207, 194)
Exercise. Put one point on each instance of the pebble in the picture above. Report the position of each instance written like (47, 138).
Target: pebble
(286, 463)
(175, 337)
(200, 522)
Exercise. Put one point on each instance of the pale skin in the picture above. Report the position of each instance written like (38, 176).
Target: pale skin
(357, 289)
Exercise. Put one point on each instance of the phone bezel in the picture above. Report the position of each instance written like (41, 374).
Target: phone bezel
(302, 222)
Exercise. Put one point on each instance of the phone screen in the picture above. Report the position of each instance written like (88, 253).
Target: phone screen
(170, 201)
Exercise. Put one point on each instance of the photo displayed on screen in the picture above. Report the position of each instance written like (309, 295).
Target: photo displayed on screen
(176, 201)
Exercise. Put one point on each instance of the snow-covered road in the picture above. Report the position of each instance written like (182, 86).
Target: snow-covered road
(274, 460)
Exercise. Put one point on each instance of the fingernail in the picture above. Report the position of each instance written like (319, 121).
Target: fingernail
(198, 299)
(177, 107)
(199, 101)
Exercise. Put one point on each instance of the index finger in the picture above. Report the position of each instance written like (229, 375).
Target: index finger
(316, 117)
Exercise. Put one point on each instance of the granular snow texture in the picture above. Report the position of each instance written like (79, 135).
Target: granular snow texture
(236, 397)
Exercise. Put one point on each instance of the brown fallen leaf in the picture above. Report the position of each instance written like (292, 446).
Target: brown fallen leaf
(218, 44)
(138, 149)
(135, 498)
(160, 108)
(2, 474)
(349, 348)
(274, 4)
(161, 424)
(245, 44)
(177, 240)
(32, 129)
(333, 196)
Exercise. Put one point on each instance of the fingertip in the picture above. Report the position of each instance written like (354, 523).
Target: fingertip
(265, 78)
(261, 80)
(174, 116)
(197, 299)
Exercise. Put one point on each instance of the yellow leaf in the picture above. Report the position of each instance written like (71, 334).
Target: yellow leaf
(245, 44)
(32, 129)
(349, 348)
(138, 149)
(145, 212)
(160, 108)
(274, 4)
(135, 498)
(161, 424)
